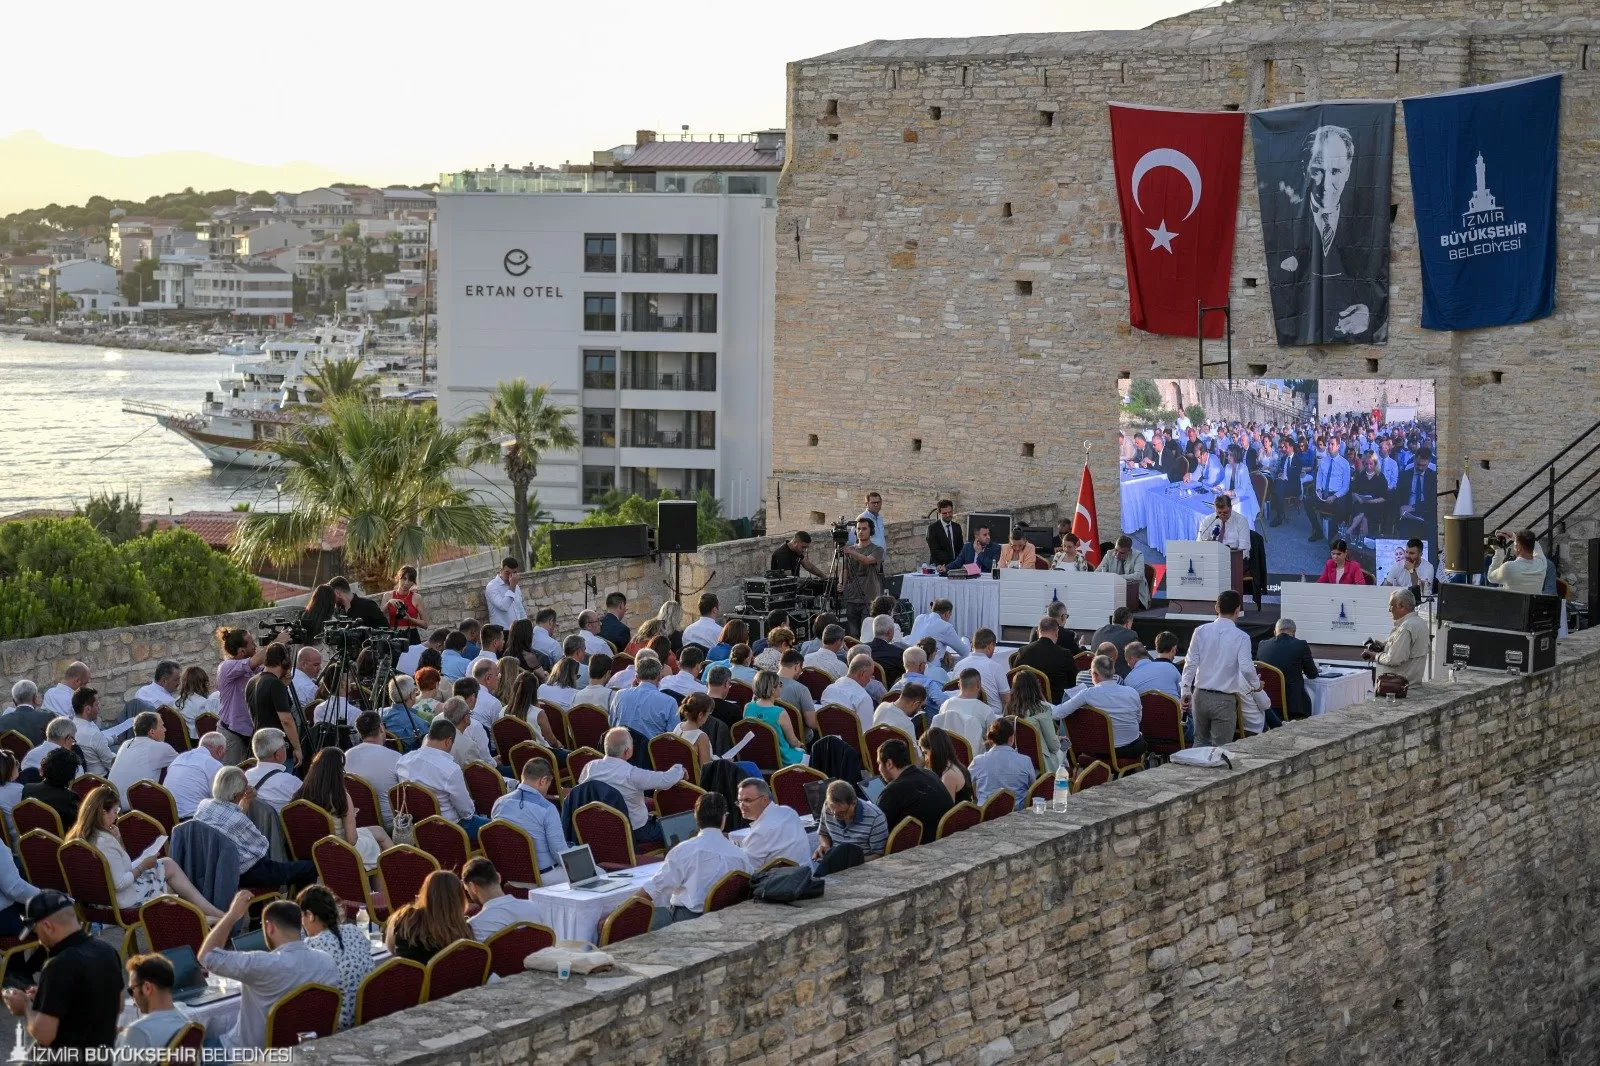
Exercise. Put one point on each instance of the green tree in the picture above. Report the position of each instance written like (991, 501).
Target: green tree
(514, 429)
(1195, 413)
(57, 575)
(350, 231)
(1143, 394)
(113, 515)
(340, 379)
(385, 472)
(140, 281)
(190, 578)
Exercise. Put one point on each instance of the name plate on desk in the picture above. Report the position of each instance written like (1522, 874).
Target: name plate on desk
(1337, 614)
(1025, 596)
(1198, 569)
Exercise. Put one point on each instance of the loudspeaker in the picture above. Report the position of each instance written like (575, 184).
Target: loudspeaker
(999, 527)
(1594, 579)
(1462, 552)
(598, 542)
(1498, 608)
(677, 526)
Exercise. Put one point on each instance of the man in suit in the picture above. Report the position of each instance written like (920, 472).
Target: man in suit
(25, 715)
(1283, 481)
(1292, 657)
(1126, 562)
(885, 652)
(979, 550)
(944, 536)
(1169, 460)
(1419, 488)
(1050, 658)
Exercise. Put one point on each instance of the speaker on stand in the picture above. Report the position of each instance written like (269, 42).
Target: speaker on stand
(1462, 550)
(677, 531)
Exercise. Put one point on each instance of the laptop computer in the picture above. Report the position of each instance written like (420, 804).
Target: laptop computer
(582, 873)
(816, 795)
(676, 828)
(188, 983)
(255, 940)
(874, 787)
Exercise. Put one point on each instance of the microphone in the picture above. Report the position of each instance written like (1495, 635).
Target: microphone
(1216, 531)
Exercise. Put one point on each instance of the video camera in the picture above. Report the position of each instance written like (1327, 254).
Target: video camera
(348, 637)
(841, 532)
(269, 629)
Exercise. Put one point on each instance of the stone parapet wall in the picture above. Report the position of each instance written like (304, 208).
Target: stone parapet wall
(1412, 883)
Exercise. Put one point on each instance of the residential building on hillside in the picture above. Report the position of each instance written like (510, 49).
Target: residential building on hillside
(135, 237)
(174, 278)
(646, 304)
(258, 292)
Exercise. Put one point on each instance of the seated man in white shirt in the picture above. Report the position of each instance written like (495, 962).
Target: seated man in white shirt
(630, 780)
(372, 760)
(775, 830)
(472, 740)
(706, 630)
(544, 634)
(411, 658)
(599, 692)
(308, 668)
(274, 784)
(967, 715)
(486, 672)
(1411, 570)
(496, 909)
(898, 713)
(936, 624)
(828, 658)
(59, 733)
(58, 697)
(163, 691)
(678, 891)
(92, 745)
(686, 682)
(995, 685)
(142, 756)
(850, 691)
(189, 776)
(1120, 703)
(432, 767)
(589, 630)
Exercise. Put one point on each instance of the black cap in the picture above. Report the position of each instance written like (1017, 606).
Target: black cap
(46, 903)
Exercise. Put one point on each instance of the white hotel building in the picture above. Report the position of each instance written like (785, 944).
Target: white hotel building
(641, 294)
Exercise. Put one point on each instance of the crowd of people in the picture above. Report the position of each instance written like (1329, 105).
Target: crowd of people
(267, 733)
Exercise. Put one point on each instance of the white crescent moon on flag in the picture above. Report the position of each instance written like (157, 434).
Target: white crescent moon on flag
(1087, 517)
(1167, 157)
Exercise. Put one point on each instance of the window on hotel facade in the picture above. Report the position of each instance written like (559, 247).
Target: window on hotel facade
(747, 183)
(599, 253)
(600, 311)
(599, 428)
(600, 370)
(597, 481)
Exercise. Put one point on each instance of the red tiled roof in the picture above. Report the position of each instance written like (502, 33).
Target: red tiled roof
(699, 155)
(276, 591)
(216, 528)
(27, 261)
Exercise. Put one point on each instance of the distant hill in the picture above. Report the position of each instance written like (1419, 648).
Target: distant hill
(40, 173)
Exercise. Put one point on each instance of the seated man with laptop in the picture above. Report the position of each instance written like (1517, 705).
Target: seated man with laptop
(678, 891)
(264, 976)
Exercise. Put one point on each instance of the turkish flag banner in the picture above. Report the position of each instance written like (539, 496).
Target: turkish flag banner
(1178, 190)
(1086, 519)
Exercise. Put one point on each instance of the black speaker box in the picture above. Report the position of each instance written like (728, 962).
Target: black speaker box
(598, 542)
(1462, 550)
(677, 526)
(1594, 579)
(999, 527)
(1497, 608)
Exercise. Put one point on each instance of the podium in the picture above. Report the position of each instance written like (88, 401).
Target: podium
(1337, 619)
(1197, 571)
(1025, 597)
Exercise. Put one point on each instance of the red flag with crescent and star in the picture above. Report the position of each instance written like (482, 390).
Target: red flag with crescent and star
(1085, 521)
(1178, 189)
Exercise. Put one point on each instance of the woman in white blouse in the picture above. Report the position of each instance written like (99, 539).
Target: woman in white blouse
(563, 684)
(195, 697)
(10, 789)
(345, 944)
(134, 884)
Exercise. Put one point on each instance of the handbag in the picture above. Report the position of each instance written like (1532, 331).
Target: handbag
(786, 885)
(404, 825)
(1393, 685)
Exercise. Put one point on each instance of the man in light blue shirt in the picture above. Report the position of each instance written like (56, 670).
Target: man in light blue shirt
(544, 635)
(1002, 766)
(453, 662)
(527, 808)
(1207, 470)
(644, 707)
(1387, 464)
(915, 661)
(1151, 675)
(936, 624)
(1332, 495)
(874, 514)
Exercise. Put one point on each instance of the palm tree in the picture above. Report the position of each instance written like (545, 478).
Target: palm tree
(384, 472)
(339, 379)
(514, 429)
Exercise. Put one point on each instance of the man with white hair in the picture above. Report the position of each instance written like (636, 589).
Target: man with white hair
(142, 756)
(270, 777)
(60, 733)
(851, 691)
(1405, 649)
(471, 743)
(227, 810)
(189, 776)
(915, 661)
(631, 781)
(486, 672)
(58, 700)
(26, 716)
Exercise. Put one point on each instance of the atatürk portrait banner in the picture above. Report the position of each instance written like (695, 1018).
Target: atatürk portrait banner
(1322, 174)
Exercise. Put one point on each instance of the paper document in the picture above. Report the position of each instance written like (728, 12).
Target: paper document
(116, 731)
(153, 850)
(733, 752)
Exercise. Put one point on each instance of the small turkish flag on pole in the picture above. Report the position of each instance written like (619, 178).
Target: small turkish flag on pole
(1178, 190)
(1085, 522)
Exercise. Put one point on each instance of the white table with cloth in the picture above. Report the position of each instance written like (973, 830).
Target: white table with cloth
(574, 914)
(1174, 514)
(1338, 688)
(976, 599)
(1135, 487)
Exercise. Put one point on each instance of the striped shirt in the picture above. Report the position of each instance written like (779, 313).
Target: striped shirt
(867, 829)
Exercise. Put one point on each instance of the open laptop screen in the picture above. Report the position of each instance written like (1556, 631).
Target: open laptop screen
(816, 793)
(676, 828)
(579, 864)
(185, 968)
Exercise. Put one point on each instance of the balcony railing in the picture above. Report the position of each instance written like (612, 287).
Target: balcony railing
(669, 264)
(668, 323)
(597, 263)
(664, 438)
(669, 382)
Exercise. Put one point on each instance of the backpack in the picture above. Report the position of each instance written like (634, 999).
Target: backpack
(786, 885)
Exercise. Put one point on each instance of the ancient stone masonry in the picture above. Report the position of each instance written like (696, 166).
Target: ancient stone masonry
(959, 290)
(1413, 883)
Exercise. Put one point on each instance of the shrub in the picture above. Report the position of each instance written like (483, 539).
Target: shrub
(60, 576)
(189, 578)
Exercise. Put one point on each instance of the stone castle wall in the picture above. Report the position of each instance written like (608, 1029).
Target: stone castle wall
(1406, 884)
(959, 238)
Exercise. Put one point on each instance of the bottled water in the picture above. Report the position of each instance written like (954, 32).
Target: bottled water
(1063, 786)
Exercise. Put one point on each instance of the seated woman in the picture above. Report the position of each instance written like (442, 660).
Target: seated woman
(741, 663)
(563, 684)
(10, 792)
(642, 636)
(432, 922)
(428, 681)
(54, 787)
(324, 786)
(1069, 555)
(343, 942)
(519, 646)
(1236, 483)
(699, 725)
(1369, 500)
(134, 884)
(939, 755)
(524, 707)
(764, 708)
(1340, 569)
(735, 632)
(401, 720)
(195, 697)
(1027, 704)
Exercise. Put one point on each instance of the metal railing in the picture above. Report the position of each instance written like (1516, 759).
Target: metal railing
(654, 322)
(669, 382)
(1548, 482)
(664, 439)
(669, 264)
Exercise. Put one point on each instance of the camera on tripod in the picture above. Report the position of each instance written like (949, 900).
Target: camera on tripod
(841, 532)
(347, 637)
(269, 629)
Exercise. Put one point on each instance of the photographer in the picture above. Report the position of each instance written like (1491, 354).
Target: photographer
(271, 706)
(402, 607)
(790, 557)
(1523, 571)
(860, 583)
(241, 660)
(334, 596)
